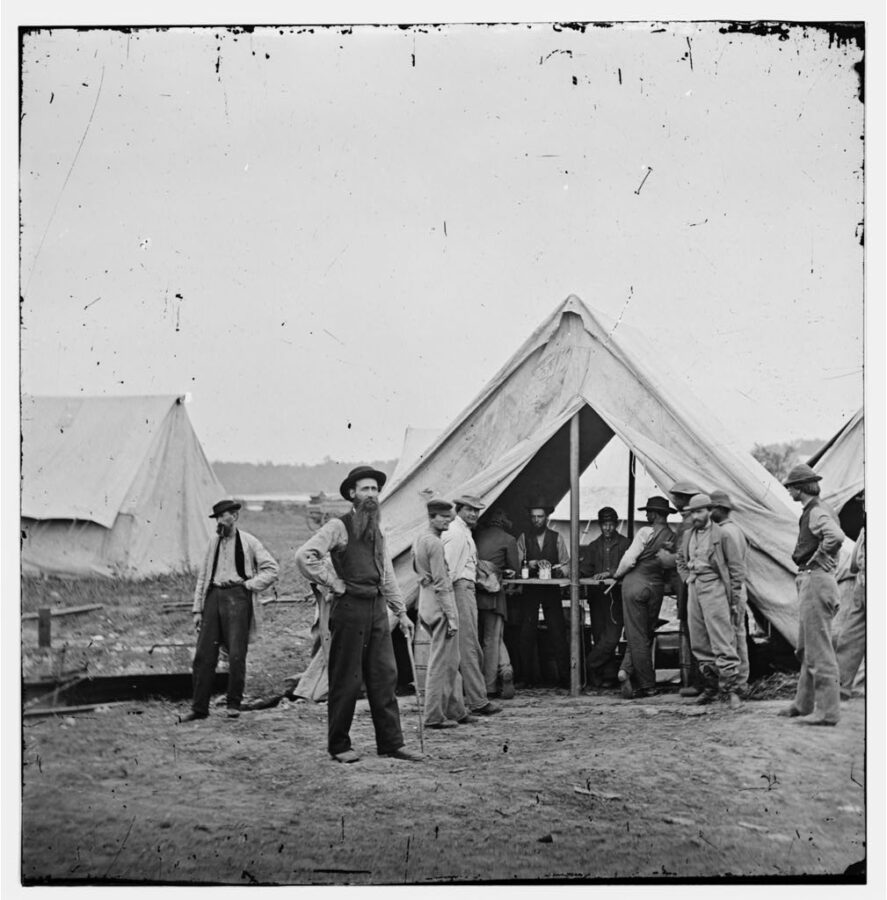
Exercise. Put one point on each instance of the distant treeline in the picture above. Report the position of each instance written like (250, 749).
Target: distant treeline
(276, 478)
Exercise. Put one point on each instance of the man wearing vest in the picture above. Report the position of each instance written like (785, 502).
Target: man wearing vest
(712, 565)
(444, 706)
(543, 543)
(599, 560)
(461, 556)
(691, 680)
(236, 569)
(721, 507)
(349, 558)
(817, 701)
(643, 586)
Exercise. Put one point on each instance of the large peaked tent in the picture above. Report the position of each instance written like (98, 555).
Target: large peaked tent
(513, 440)
(113, 486)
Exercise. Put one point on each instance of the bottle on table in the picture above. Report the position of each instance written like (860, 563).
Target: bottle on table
(524, 569)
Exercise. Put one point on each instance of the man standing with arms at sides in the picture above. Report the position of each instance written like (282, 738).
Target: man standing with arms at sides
(712, 564)
(461, 555)
(643, 586)
(540, 544)
(496, 546)
(817, 700)
(444, 707)
(348, 557)
(721, 507)
(680, 494)
(236, 569)
(599, 560)
(850, 643)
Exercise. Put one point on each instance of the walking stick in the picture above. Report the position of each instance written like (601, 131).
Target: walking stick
(416, 685)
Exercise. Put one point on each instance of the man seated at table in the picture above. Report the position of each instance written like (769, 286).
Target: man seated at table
(599, 560)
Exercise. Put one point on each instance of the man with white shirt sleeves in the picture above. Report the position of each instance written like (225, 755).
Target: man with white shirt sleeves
(643, 587)
(461, 556)
(235, 570)
(817, 701)
(348, 556)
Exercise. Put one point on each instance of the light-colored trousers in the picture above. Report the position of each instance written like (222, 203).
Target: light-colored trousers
(471, 663)
(497, 662)
(818, 683)
(712, 634)
(850, 643)
(443, 683)
(740, 631)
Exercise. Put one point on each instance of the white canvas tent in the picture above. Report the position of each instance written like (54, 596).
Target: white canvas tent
(113, 486)
(841, 463)
(513, 440)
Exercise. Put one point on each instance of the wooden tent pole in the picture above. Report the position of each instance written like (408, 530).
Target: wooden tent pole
(631, 459)
(575, 624)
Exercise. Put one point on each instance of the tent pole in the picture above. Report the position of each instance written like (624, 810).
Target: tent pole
(630, 495)
(575, 624)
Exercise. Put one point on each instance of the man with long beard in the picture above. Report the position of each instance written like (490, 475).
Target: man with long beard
(236, 569)
(349, 558)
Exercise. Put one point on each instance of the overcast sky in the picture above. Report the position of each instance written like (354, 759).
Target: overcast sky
(326, 235)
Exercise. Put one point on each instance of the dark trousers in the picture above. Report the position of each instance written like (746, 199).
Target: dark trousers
(227, 613)
(553, 613)
(361, 652)
(606, 629)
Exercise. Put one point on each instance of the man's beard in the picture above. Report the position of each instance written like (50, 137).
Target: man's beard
(366, 518)
(223, 530)
(539, 529)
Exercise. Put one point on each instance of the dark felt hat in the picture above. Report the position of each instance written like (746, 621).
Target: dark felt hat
(687, 488)
(361, 472)
(721, 499)
(657, 504)
(223, 506)
(539, 502)
(801, 474)
(607, 513)
(438, 506)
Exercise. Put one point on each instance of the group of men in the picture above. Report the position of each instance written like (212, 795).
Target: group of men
(484, 639)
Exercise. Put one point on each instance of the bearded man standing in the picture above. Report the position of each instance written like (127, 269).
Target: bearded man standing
(817, 700)
(236, 569)
(348, 557)
(712, 565)
(544, 543)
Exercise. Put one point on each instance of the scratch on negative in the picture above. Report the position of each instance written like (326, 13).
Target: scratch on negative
(622, 312)
(690, 52)
(98, 94)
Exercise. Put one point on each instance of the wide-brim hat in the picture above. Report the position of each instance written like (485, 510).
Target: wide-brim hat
(657, 504)
(469, 500)
(538, 502)
(721, 499)
(698, 501)
(224, 506)
(361, 472)
(801, 474)
(687, 488)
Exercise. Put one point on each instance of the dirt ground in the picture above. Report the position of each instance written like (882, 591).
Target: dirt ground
(553, 789)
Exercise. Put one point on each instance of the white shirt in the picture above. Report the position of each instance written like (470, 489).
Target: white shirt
(460, 550)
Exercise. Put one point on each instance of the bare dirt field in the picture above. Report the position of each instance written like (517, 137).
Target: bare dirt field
(553, 789)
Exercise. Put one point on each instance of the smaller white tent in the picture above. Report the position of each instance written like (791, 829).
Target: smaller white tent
(841, 463)
(113, 486)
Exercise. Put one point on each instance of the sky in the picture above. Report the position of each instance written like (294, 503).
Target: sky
(325, 235)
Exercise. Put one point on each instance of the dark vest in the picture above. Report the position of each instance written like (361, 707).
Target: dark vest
(808, 542)
(648, 566)
(549, 547)
(358, 563)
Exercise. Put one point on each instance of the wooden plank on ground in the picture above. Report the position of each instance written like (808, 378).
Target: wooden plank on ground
(64, 611)
(70, 710)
